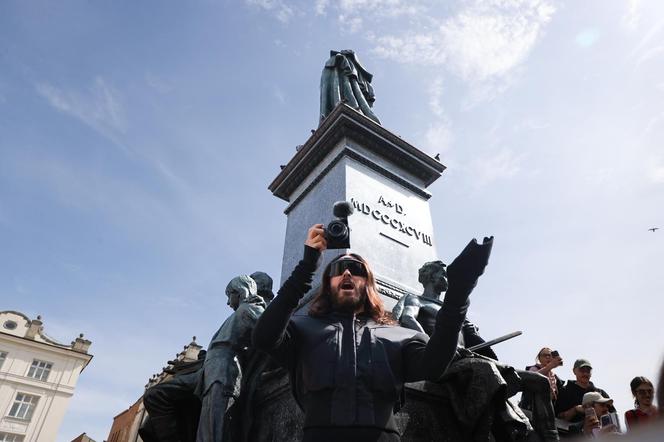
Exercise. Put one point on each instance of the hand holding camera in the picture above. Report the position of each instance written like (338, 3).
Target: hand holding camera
(556, 360)
(316, 238)
(337, 233)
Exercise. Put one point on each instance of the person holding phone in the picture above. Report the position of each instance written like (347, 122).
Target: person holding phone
(547, 360)
(598, 416)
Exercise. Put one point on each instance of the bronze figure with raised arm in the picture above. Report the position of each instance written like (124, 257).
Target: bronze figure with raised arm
(347, 358)
(420, 312)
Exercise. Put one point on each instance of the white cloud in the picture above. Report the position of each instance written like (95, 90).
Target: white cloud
(531, 123)
(321, 6)
(490, 39)
(381, 8)
(351, 14)
(438, 137)
(435, 102)
(100, 107)
(632, 17)
(351, 23)
(424, 49)
(482, 43)
(280, 9)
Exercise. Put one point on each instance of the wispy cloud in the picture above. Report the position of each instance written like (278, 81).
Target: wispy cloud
(531, 123)
(482, 43)
(438, 137)
(282, 11)
(321, 6)
(378, 9)
(99, 107)
(632, 16)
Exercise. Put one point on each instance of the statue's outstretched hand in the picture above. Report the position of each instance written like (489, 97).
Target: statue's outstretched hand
(316, 238)
(470, 264)
(463, 272)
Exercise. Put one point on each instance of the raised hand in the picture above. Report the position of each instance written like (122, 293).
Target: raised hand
(463, 272)
(316, 238)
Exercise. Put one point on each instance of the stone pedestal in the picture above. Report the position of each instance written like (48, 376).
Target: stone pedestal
(352, 158)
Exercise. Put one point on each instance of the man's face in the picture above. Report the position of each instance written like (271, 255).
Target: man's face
(348, 291)
(583, 374)
(439, 279)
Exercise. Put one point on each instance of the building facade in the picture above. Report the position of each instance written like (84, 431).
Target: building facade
(38, 376)
(126, 424)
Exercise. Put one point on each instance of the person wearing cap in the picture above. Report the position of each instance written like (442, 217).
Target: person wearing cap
(570, 397)
(601, 406)
(347, 358)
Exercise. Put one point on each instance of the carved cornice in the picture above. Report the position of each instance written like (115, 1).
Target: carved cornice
(345, 122)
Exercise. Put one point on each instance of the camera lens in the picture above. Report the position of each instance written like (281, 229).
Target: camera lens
(337, 230)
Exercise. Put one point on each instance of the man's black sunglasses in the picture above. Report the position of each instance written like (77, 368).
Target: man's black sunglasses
(355, 267)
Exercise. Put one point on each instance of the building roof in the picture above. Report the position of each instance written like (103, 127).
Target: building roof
(17, 324)
(83, 438)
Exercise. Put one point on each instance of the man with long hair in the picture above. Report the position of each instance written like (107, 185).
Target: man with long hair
(347, 358)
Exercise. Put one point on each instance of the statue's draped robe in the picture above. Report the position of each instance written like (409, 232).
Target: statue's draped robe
(345, 80)
(219, 384)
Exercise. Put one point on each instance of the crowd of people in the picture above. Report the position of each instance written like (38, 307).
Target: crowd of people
(584, 408)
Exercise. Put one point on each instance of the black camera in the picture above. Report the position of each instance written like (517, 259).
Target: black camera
(555, 354)
(337, 232)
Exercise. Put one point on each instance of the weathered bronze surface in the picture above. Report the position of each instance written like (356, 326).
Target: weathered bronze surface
(344, 80)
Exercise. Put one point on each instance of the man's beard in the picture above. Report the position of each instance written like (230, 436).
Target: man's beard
(348, 303)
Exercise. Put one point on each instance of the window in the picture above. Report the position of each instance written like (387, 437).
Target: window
(40, 370)
(10, 437)
(3, 356)
(23, 407)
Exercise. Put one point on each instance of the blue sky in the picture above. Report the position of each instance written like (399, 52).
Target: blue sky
(137, 141)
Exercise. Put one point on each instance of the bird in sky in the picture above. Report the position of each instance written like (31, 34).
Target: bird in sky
(653, 229)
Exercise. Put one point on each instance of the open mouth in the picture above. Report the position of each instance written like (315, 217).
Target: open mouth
(347, 285)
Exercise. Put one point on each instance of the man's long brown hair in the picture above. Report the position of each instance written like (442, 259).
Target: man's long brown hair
(373, 305)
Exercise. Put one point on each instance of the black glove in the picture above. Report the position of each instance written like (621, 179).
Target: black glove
(464, 271)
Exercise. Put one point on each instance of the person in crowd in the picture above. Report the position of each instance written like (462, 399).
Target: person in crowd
(570, 397)
(347, 358)
(597, 422)
(644, 409)
(545, 363)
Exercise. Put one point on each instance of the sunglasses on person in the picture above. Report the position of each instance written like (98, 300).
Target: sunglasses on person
(355, 267)
(648, 391)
